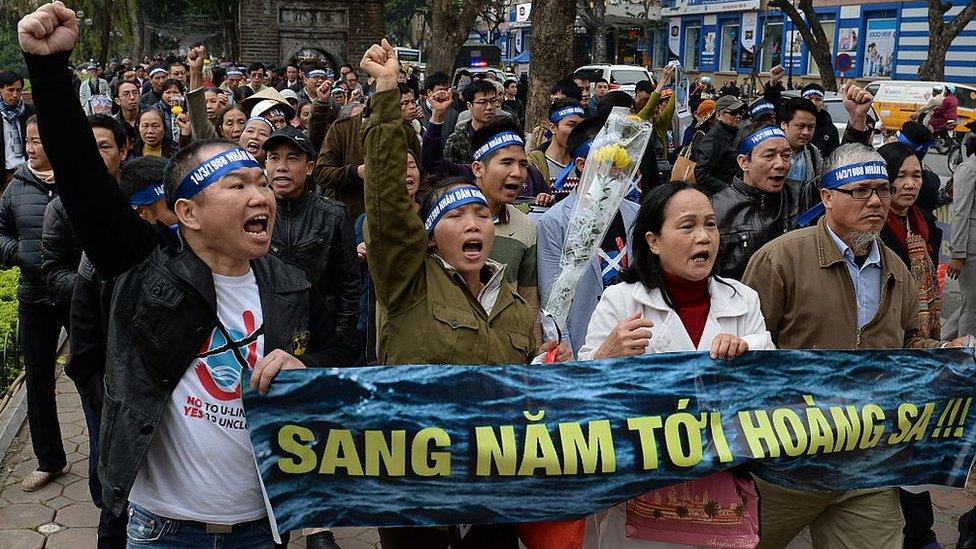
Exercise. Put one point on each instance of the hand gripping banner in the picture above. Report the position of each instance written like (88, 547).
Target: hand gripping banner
(439, 445)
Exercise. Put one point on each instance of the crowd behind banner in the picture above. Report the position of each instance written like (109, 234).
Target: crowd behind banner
(198, 225)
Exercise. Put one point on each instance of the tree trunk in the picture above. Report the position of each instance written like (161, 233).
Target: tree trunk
(105, 32)
(448, 32)
(598, 52)
(813, 35)
(136, 23)
(941, 35)
(551, 51)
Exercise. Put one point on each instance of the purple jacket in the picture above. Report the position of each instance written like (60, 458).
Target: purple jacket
(433, 162)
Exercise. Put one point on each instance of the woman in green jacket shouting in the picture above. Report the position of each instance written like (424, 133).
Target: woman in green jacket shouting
(439, 299)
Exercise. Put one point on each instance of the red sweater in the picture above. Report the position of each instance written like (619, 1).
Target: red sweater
(691, 302)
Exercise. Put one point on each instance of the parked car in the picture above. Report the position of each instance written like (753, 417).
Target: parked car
(620, 77)
(834, 103)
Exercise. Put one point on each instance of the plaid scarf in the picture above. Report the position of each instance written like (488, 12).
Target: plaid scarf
(11, 113)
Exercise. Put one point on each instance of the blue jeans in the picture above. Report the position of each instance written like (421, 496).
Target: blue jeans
(151, 530)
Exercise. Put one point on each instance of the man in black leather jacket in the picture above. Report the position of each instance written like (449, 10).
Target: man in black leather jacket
(715, 164)
(311, 231)
(171, 305)
(761, 205)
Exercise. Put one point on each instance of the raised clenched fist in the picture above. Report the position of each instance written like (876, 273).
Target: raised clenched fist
(380, 62)
(52, 28)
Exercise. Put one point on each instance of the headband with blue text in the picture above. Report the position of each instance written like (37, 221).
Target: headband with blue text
(812, 93)
(763, 107)
(566, 112)
(845, 175)
(758, 136)
(316, 72)
(147, 196)
(212, 169)
(499, 141)
(581, 151)
(235, 72)
(156, 71)
(452, 200)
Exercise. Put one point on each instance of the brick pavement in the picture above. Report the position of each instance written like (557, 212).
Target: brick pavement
(61, 515)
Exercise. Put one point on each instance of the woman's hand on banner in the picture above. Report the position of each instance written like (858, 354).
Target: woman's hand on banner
(727, 347)
(630, 337)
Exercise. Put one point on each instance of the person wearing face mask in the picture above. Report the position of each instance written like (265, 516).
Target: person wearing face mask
(838, 270)
(758, 206)
(211, 287)
(671, 299)
(439, 298)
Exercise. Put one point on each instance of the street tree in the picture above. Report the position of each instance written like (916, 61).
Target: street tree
(493, 14)
(551, 51)
(593, 17)
(941, 35)
(450, 23)
(805, 20)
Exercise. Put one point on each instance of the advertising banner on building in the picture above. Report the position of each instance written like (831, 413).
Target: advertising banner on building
(522, 12)
(692, 7)
(879, 47)
(709, 49)
(747, 38)
(674, 38)
(441, 444)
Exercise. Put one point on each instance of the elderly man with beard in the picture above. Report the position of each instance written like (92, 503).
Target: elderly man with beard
(841, 271)
(212, 287)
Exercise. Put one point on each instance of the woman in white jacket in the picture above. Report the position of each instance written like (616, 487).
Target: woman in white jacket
(670, 300)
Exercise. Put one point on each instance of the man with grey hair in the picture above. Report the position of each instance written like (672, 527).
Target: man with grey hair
(838, 269)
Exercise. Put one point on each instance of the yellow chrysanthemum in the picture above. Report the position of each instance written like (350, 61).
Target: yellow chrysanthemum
(615, 154)
(176, 110)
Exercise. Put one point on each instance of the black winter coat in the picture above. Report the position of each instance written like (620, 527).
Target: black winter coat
(748, 218)
(61, 252)
(163, 304)
(21, 228)
(715, 159)
(316, 234)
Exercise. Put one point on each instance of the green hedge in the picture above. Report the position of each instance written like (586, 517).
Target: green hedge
(8, 321)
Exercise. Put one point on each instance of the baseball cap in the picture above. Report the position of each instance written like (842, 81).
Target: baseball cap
(728, 103)
(289, 95)
(289, 134)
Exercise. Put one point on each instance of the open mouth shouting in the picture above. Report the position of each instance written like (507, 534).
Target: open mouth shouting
(257, 225)
(700, 259)
(472, 249)
(512, 188)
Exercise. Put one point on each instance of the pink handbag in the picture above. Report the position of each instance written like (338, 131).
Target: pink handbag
(720, 510)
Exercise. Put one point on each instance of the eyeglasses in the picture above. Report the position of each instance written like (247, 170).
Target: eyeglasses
(483, 102)
(864, 193)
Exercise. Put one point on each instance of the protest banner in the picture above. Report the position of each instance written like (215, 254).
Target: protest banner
(437, 445)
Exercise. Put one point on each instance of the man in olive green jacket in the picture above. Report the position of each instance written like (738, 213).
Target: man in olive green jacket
(340, 168)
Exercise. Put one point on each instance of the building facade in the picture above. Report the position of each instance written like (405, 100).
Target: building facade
(332, 32)
(880, 39)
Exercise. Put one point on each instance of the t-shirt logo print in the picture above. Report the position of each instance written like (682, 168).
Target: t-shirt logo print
(218, 366)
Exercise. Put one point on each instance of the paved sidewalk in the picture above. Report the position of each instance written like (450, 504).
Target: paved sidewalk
(61, 514)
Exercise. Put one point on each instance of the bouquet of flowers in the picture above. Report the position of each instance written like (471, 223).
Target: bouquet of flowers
(610, 167)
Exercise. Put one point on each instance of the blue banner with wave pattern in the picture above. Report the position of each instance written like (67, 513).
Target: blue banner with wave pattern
(439, 445)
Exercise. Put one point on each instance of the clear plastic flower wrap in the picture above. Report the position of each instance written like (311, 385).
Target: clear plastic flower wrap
(610, 167)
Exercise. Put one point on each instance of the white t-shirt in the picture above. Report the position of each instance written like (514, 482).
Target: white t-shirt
(200, 464)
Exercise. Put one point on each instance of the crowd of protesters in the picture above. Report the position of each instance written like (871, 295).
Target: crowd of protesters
(196, 225)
